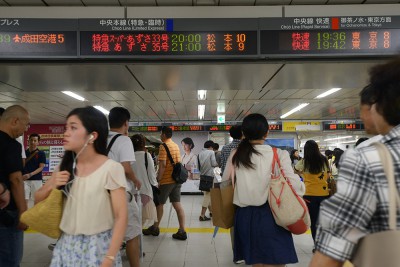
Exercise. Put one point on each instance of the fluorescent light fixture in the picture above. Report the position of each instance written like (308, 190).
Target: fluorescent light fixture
(338, 138)
(221, 107)
(201, 110)
(76, 96)
(329, 92)
(201, 94)
(105, 111)
(349, 142)
(294, 110)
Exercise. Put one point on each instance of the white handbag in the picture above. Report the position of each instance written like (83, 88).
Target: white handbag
(289, 209)
(382, 248)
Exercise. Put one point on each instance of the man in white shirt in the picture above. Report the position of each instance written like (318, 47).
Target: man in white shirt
(122, 151)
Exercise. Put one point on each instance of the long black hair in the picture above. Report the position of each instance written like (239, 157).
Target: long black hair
(314, 161)
(254, 127)
(337, 152)
(93, 121)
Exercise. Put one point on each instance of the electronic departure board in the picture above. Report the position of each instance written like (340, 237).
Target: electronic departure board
(38, 44)
(343, 42)
(343, 126)
(178, 43)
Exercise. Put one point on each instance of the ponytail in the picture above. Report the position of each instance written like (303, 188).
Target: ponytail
(243, 154)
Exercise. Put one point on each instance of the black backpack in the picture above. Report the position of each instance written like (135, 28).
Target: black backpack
(179, 173)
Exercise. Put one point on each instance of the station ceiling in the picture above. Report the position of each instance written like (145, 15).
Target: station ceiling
(167, 91)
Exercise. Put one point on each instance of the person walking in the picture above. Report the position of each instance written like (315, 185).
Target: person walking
(314, 169)
(168, 187)
(258, 239)
(94, 216)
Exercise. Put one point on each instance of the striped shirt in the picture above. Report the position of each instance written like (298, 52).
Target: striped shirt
(162, 155)
(226, 151)
(360, 205)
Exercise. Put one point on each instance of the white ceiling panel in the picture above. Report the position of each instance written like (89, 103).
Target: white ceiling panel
(101, 2)
(272, 2)
(229, 94)
(243, 94)
(175, 95)
(205, 2)
(138, 2)
(174, 2)
(308, 2)
(161, 95)
(40, 77)
(25, 2)
(340, 2)
(64, 2)
(237, 2)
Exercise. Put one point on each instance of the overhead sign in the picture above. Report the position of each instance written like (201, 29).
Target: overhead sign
(330, 36)
(355, 126)
(199, 38)
(38, 38)
(293, 126)
(221, 118)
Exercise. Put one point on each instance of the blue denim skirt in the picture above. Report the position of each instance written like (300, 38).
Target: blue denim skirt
(259, 240)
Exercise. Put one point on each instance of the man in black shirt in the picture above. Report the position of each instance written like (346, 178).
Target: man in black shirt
(13, 123)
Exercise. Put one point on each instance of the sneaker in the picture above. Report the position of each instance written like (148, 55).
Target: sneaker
(203, 219)
(152, 230)
(239, 262)
(180, 235)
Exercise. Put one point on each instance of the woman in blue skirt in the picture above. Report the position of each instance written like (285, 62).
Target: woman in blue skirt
(257, 238)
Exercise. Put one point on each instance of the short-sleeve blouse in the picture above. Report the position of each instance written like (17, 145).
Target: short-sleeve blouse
(88, 208)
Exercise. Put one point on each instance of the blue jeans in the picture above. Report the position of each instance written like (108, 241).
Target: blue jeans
(11, 245)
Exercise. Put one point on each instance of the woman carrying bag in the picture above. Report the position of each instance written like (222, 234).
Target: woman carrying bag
(257, 238)
(95, 210)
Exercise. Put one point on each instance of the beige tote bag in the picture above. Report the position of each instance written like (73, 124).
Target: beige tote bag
(382, 249)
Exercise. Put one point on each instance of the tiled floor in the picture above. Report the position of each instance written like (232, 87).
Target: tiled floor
(198, 250)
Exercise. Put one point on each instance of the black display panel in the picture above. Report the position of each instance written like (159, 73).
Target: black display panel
(182, 43)
(42, 44)
(331, 42)
(343, 126)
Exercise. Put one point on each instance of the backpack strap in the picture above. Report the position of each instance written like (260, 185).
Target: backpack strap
(168, 153)
(112, 142)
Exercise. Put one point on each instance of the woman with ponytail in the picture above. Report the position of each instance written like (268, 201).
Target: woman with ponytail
(257, 238)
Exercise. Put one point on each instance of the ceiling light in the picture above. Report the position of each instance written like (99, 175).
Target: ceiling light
(201, 94)
(328, 92)
(221, 107)
(294, 110)
(201, 110)
(105, 111)
(349, 142)
(71, 94)
(337, 138)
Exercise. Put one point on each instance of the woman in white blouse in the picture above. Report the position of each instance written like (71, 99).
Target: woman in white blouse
(257, 238)
(95, 210)
(145, 172)
(189, 158)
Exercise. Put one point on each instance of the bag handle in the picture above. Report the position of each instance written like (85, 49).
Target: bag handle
(394, 198)
(276, 160)
(168, 153)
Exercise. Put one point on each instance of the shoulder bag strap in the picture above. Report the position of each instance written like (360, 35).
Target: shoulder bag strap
(31, 156)
(198, 161)
(112, 142)
(168, 153)
(387, 162)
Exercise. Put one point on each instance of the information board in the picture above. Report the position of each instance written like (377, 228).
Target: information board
(330, 36)
(327, 126)
(38, 38)
(168, 43)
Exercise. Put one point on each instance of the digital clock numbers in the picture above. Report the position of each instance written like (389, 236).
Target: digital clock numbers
(169, 43)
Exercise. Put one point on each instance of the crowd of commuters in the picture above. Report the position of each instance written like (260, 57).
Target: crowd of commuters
(111, 173)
